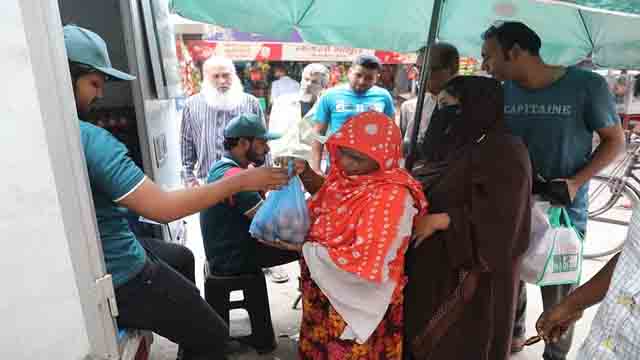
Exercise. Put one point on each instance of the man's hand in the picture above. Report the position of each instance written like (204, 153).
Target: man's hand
(556, 321)
(317, 148)
(572, 187)
(427, 225)
(262, 178)
(299, 165)
(192, 183)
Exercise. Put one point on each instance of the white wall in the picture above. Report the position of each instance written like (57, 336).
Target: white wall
(50, 256)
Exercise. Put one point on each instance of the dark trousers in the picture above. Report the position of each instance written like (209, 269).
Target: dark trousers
(164, 299)
(266, 257)
(551, 295)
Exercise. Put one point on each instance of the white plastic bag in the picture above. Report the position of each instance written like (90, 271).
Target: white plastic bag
(540, 244)
(297, 131)
(554, 256)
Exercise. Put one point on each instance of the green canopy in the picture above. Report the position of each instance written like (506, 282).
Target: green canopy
(569, 33)
(354, 23)
(623, 6)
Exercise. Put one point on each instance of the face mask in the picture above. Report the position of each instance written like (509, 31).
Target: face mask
(450, 115)
(450, 112)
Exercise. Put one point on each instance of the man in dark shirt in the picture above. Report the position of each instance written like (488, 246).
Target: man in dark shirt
(229, 247)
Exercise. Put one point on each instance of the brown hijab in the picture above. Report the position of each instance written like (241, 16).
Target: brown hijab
(455, 126)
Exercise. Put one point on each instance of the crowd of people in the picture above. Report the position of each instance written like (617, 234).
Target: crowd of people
(397, 264)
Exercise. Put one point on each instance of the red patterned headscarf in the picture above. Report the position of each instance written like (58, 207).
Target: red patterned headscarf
(357, 217)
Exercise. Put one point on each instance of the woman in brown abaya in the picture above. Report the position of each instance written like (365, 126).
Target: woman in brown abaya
(459, 301)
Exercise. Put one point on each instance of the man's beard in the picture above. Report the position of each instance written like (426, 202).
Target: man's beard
(227, 100)
(254, 158)
(84, 114)
(310, 93)
(308, 98)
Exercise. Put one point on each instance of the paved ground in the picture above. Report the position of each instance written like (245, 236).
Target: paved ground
(286, 320)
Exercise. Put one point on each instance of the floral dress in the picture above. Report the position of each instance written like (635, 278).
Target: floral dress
(322, 326)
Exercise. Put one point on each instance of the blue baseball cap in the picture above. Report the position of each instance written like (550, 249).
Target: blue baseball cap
(88, 48)
(248, 125)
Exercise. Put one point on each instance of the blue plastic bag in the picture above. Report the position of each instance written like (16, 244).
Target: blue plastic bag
(283, 215)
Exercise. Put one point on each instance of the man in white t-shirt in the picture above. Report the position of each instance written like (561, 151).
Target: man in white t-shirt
(284, 85)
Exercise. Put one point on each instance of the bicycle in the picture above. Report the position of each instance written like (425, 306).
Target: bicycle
(611, 198)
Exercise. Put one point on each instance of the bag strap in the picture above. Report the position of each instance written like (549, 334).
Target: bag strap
(559, 217)
(554, 217)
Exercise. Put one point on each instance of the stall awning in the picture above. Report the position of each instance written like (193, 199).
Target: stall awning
(570, 33)
(200, 50)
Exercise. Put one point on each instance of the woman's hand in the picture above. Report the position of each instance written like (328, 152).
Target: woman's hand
(300, 166)
(283, 245)
(426, 226)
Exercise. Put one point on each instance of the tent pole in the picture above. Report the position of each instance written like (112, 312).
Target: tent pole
(424, 73)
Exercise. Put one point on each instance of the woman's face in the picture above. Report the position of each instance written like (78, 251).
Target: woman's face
(446, 99)
(353, 162)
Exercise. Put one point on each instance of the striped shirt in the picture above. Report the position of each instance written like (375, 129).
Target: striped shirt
(202, 133)
(615, 331)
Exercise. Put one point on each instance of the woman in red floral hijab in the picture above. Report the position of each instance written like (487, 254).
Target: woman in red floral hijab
(362, 216)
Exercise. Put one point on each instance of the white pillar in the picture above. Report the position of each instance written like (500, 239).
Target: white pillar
(50, 259)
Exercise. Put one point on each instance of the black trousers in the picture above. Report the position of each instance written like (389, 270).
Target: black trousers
(267, 256)
(164, 299)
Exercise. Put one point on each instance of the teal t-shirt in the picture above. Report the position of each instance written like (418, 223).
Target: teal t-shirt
(558, 123)
(112, 176)
(229, 247)
(337, 105)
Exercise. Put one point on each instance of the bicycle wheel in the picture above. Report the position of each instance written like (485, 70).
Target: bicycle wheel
(609, 215)
(604, 193)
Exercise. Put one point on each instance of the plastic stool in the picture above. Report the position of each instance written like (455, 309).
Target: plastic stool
(255, 301)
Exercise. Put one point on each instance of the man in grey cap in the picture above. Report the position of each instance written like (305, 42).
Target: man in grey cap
(150, 293)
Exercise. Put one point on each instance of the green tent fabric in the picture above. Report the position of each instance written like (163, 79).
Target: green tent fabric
(623, 6)
(392, 25)
(569, 33)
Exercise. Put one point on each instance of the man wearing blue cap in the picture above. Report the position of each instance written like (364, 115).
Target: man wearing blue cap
(150, 294)
(229, 247)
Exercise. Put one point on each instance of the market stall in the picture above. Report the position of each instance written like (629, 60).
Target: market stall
(254, 61)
